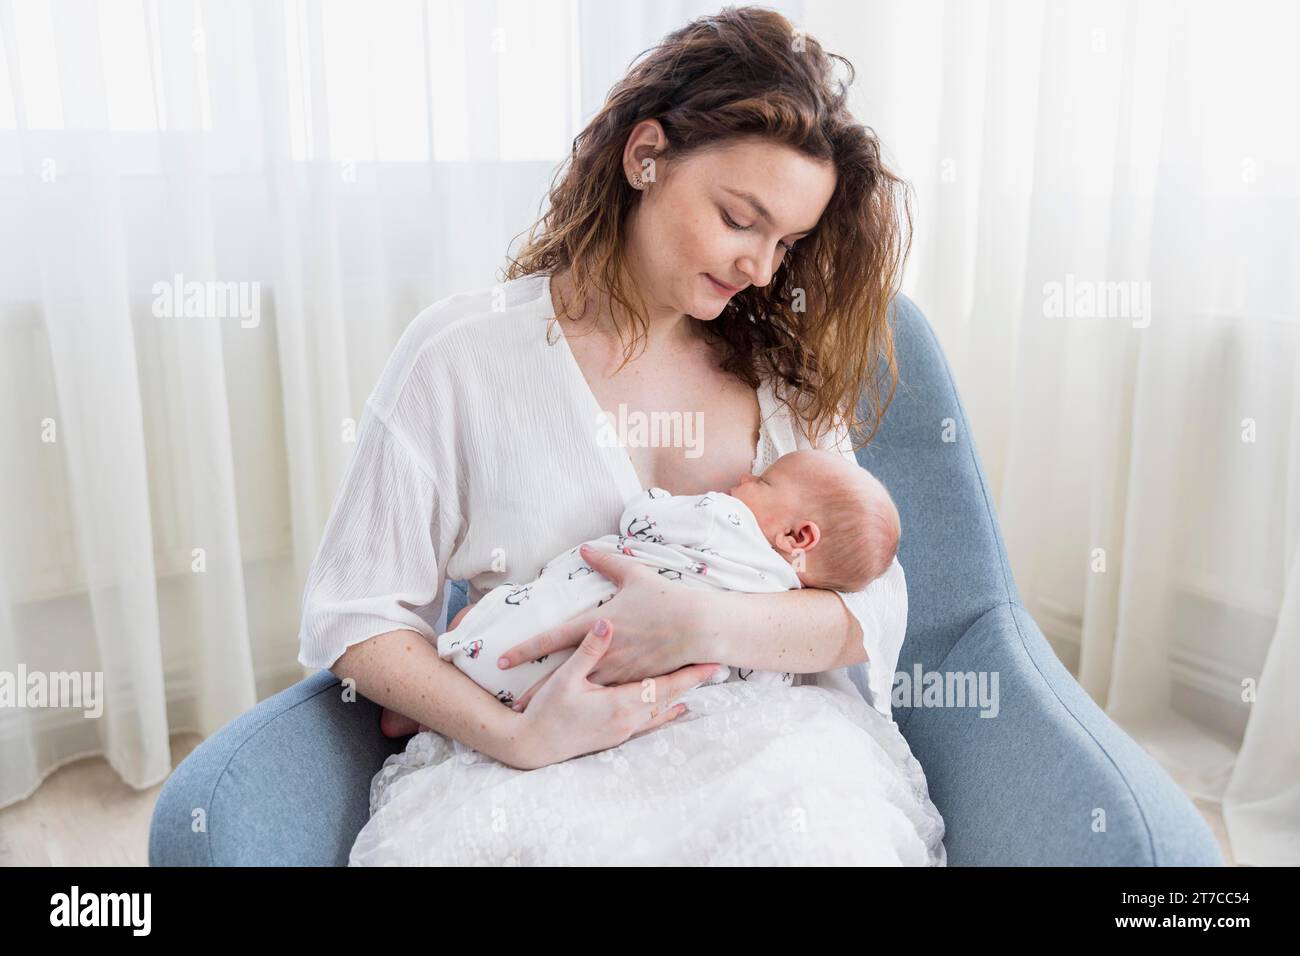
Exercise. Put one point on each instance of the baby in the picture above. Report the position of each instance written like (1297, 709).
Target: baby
(812, 519)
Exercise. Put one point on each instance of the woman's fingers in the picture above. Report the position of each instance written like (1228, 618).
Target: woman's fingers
(568, 634)
(662, 709)
(613, 566)
(669, 687)
(522, 702)
(589, 652)
(672, 713)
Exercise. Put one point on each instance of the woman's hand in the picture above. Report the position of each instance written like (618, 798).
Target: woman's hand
(570, 716)
(653, 619)
(522, 702)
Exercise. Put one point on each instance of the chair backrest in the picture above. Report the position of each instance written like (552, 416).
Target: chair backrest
(924, 452)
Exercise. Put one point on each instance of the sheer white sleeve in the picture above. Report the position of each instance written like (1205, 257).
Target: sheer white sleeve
(380, 564)
(880, 608)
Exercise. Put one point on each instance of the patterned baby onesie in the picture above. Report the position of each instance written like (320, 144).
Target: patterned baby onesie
(707, 541)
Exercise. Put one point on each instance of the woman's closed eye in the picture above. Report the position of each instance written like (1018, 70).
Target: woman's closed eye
(735, 225)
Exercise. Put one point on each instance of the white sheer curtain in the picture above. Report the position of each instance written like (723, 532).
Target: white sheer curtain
(168, 466)
(1146, 460)
(167, 476)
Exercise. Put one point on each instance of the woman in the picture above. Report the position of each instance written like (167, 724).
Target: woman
(725, 207)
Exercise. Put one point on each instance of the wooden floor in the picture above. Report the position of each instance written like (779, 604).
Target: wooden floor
(84, 815)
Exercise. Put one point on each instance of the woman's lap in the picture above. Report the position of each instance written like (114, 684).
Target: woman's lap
(762, 775)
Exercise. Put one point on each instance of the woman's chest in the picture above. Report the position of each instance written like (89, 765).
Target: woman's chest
(686, 426)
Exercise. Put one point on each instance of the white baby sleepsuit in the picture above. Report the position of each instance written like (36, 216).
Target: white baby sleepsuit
(709, 541)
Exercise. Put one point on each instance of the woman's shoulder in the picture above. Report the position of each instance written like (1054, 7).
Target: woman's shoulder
(477, 313)
(450, 335)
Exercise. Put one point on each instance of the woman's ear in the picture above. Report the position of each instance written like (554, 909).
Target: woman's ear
(644, 143)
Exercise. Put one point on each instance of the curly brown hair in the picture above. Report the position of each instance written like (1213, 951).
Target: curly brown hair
(743, 73)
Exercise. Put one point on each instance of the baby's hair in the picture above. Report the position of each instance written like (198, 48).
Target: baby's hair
(857, 546)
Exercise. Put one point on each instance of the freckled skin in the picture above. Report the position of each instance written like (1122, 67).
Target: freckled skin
(400, 725)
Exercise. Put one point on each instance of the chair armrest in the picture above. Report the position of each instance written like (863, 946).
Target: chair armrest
(285, 784)
(1050, 780)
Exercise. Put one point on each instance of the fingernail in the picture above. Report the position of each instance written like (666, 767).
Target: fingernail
(503, 662)
(601, 628)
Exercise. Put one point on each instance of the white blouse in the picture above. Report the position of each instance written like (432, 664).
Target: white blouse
(477, 458)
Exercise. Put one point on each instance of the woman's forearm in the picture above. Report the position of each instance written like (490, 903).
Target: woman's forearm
(402, 671)
(804, 631)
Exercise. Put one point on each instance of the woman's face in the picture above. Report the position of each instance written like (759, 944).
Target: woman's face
(695, 228)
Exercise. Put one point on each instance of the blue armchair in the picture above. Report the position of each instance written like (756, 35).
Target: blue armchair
(1049, 780)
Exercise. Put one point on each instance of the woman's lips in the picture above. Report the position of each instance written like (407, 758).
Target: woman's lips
(724, 289)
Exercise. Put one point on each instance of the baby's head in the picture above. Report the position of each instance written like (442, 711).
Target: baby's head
(837, 513)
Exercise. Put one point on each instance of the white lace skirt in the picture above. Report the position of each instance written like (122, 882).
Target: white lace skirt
(765, 775)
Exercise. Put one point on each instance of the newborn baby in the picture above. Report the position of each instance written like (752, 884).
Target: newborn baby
(811, 519)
